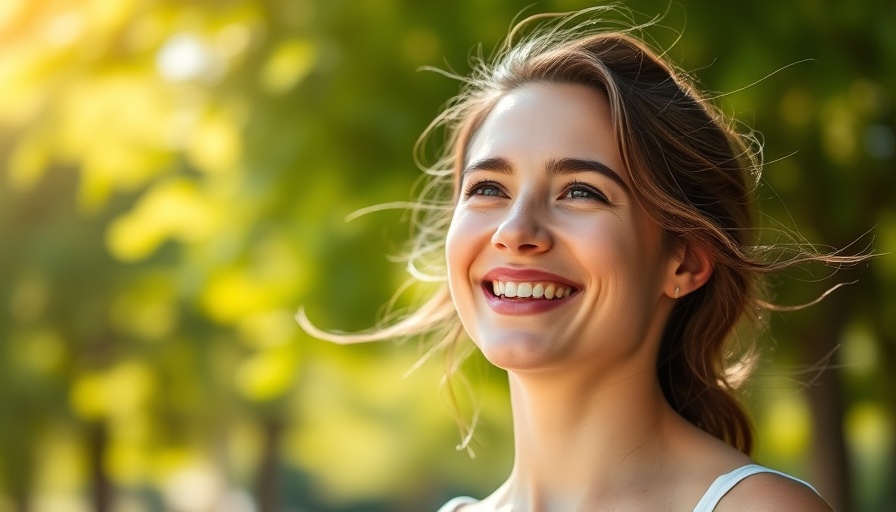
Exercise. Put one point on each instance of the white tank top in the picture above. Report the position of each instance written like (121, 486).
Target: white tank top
(707, 503)
(724, 483)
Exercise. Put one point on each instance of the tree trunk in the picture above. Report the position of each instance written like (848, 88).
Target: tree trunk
(18, 468)
(268, 490)
(22, 502)
(830, 463)
(887, 399)
(101, 487)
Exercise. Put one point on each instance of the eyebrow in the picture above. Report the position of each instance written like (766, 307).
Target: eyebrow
(556, 166)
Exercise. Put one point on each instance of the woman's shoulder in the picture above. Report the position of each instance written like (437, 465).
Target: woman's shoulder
(724, 479)
(455, 504)
(749, 488)
(770, 491)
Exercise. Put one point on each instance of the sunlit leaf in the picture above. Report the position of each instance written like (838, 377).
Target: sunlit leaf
(215, 144)
(787, 426)
(860, 351)
(267, 374)
(869, 434)
(120, 390)
(289, 63)
(173, 209)
(148, 308)
(22, 69)
(27, 163)
(88, 396)
(268, 329)
(61, 461)
(128, 462)
(275, 272)
(41, 351)
(108, 16)
(869, 429)
(840, 131)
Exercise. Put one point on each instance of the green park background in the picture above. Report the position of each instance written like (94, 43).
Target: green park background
(175, 178)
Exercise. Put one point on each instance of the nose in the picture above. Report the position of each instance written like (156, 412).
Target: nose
(522, 231)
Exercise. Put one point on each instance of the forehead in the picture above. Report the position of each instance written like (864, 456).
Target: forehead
(539, 122)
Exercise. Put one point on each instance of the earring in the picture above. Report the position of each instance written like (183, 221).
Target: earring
(677, 290)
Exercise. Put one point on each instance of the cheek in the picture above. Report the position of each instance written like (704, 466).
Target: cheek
(463, 244)
(466, 235)
(457, 254)
(622, 250)
(640, 263)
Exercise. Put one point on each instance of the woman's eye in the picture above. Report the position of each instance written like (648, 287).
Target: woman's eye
(584, 192)
(486, 188)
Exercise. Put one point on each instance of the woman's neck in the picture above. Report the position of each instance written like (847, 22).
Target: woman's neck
(586, 435)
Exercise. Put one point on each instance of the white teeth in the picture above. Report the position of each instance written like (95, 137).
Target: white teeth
(526, 290)
(510, 289)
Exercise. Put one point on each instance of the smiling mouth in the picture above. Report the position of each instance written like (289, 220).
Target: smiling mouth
(529, 290)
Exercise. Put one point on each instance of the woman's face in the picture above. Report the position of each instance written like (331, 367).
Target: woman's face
(552, 262)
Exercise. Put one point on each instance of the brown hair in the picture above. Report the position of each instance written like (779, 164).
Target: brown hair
(691, 171)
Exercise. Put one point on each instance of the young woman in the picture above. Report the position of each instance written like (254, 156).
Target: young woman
(600, 247)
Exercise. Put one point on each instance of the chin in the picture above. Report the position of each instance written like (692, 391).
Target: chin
(516, 352)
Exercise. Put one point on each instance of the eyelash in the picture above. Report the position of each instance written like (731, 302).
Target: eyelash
(473, 188)
(580, 186)
(476, 187)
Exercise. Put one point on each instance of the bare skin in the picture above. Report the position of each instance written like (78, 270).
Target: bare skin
(592, 430)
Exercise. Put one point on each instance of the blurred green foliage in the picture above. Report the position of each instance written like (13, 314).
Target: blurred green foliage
(175, 180)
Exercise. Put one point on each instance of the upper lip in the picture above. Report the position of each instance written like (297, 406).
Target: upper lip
(527, 275)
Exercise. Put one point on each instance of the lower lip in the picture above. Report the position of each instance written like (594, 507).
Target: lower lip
(517, 307)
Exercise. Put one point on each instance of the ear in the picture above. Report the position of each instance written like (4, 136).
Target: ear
(689, 269)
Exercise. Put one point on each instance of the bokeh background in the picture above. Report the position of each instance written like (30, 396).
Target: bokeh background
(174, 182)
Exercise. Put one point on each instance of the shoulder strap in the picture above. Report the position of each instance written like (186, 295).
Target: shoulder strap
(726, 482)
(454, 504)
